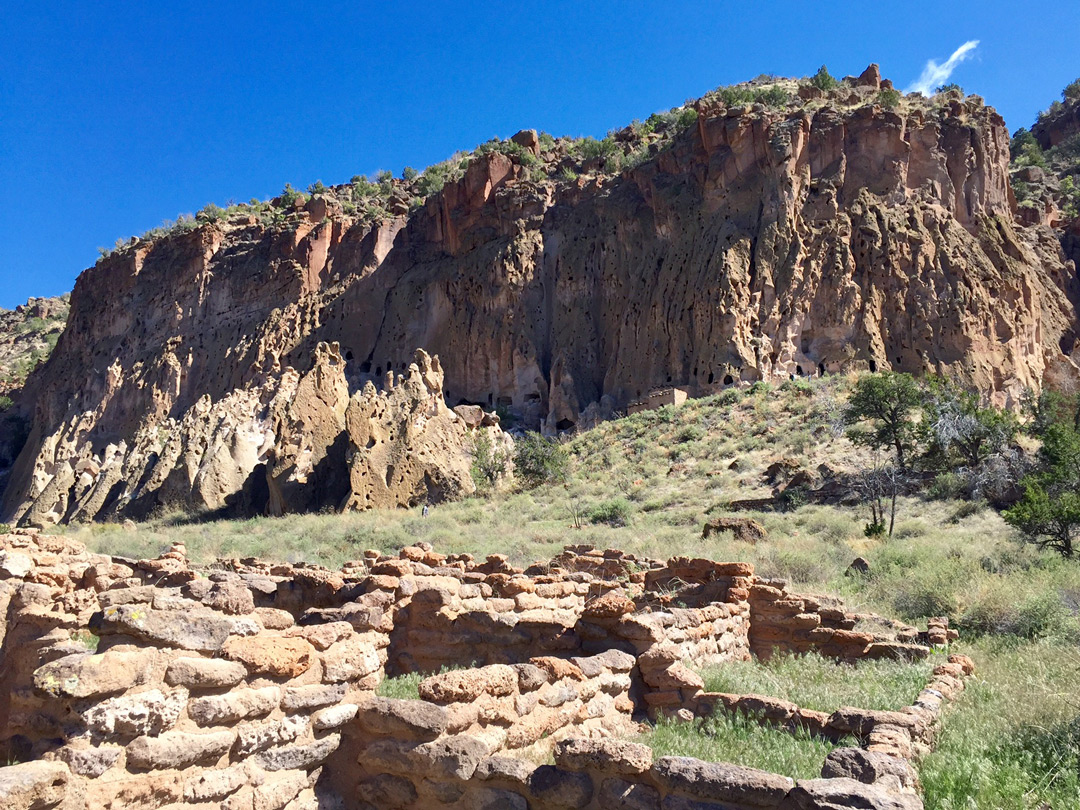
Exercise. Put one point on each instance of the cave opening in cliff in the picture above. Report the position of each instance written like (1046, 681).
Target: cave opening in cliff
(729, 380)
(565, 424)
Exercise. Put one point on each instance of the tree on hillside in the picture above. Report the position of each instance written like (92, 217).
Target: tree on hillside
(539, 460)
(878, 487)
(881, 413)
(959, 431)
(1048, 514)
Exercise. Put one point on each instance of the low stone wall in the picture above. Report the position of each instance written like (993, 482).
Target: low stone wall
(150, 683)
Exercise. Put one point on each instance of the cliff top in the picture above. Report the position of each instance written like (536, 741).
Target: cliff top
(566, 160)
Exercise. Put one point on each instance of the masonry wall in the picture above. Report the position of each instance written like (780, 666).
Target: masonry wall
(251, 684)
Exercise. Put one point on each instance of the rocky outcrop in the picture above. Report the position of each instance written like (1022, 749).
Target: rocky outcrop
(295, 442)
(759, 242)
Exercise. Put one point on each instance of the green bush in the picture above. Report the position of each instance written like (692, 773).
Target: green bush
(736, 96)
(5, 403)
(409, 174)
(889, 98)
(5, 528)
(946, 486)
(489, 462)
(289, 196)
(774, 96)
(729, 396)
(823, 80)
(615, 512)
(965, 510)
(690, 433)
(317, 188)
(949, 88)
(210, 213)
(539, 460)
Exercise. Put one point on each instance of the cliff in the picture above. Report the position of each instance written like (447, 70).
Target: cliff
(807, 232)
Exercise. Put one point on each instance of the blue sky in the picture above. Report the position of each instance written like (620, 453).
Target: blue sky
(116, 116)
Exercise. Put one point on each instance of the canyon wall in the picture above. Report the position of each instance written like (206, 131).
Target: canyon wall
(758, 243)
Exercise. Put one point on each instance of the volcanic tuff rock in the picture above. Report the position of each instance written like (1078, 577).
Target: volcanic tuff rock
(757, 243)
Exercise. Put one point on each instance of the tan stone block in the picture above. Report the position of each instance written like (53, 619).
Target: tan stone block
(266, 655)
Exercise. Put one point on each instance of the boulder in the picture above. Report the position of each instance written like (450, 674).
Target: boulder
(552, 786)
(199, 630)
(721, 781)
(302, 755)
(604, 755)
(150, 712)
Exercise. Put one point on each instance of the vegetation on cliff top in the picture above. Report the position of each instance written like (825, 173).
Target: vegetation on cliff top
(547, 159)
(1049, 175)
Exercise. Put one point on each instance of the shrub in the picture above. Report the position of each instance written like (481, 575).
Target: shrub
(774, 96)
(5, 403)
(317, 188)
(210, 213)
(729, 396)
(690, 433)
(615, 512)
(1048, 514)
(889, 98)
(409, 174)
(289, 196)
(489, 462)
(736, 96)
(5, 528)
(946, 486)
(966, 509)
(539, 460)
(823, 80)
(949, 88)
(1071, 91)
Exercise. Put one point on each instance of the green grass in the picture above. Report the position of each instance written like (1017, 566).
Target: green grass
(1012, 740)
(742, 741)
(403, 687)
(813, 682)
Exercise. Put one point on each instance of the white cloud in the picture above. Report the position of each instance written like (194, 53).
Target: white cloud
(935, 75)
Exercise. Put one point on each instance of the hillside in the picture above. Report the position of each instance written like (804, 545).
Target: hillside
(767, 230)
(645, 484)
(28, 334)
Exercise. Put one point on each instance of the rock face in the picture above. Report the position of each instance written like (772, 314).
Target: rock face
(293, 443)
(227, 367)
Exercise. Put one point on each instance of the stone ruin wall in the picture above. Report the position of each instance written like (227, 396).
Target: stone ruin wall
(252, 685)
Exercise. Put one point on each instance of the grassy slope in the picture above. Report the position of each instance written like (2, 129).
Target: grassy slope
(1011, 742)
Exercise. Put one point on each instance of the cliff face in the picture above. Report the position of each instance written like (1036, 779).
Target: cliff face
(758, 243)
